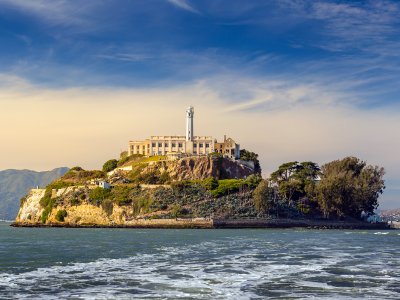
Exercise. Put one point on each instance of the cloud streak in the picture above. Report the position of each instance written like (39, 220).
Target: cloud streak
(183, 4)
(57, 12)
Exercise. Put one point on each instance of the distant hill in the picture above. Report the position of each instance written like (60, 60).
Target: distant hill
(14, 184)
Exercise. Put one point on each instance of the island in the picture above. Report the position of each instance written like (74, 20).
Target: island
(197, 182)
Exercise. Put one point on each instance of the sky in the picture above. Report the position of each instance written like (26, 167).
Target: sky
(291, 80)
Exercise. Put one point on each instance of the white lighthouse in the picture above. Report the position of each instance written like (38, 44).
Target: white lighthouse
(189, 149)
(189, 123)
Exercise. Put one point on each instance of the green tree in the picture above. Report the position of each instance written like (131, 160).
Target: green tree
(110, 165)
(264, 197)
(285, 172)
(349, 187)
(294, 179)
(253, 180)
(251, 156)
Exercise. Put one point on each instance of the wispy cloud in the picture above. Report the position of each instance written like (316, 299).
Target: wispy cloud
(184, 4)
(56, 12)
(370, 26)
(127, 57)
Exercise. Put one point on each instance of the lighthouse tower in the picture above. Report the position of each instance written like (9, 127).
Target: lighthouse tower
(189, 123)
(189, 130)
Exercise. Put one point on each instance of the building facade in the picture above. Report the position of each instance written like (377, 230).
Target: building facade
(188, 144)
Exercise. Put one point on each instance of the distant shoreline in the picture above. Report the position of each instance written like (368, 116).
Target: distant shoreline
(222, 224)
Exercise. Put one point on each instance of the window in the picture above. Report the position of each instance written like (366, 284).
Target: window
(159, 145)
(173, 145)
(166, 144)
(194, 145)
(153, 144)
(180, 145)
(207, 145)
(201, 145)
(137, 147)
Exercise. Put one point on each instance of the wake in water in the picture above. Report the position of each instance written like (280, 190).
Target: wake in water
(240, 268)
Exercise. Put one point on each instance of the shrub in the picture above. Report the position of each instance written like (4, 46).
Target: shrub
(179, 186)
(142, 205)
(253, 180)
(76, 169)
(22, 201)
(123, 154)
(45, 200)
(80, 177)
(107, 206)
(110, 165)
(151, 177)
(164, 178)
(125, 159)
(98, 195)
(121, 195)
(228, 186)
(75, 201)
(209, 183)
(45, 214)
(176, 210)
(134, 175)
(61, 214)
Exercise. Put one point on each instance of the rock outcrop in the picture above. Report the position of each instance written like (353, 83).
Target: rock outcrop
(197, 168)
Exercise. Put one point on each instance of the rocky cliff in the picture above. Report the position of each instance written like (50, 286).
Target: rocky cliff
(197, 168)
(133, 206)
(156, 189)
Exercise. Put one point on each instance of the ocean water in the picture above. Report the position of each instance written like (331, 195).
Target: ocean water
(61, 263)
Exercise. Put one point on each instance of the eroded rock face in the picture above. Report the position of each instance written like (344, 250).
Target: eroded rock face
(31, 210)
(194, 168)
(82, 212)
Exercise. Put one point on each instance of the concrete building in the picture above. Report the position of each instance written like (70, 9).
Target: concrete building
(188, 144)
(228, 147)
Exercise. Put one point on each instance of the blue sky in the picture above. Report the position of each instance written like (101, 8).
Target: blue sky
(351, 45)
(330, 67)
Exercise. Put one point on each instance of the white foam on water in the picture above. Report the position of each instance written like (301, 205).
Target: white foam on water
(208, 270)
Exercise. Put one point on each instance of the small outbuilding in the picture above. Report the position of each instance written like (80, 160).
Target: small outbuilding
(104, 184)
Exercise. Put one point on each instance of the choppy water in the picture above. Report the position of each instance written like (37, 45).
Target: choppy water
(54, 263)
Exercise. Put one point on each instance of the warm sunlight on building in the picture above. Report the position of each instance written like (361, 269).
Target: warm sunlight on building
(185, 145)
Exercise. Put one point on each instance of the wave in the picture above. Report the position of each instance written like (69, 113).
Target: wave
(209, 270)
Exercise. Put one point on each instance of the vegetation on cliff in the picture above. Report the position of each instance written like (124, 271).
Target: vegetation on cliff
(253, 157)
(147, 187)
